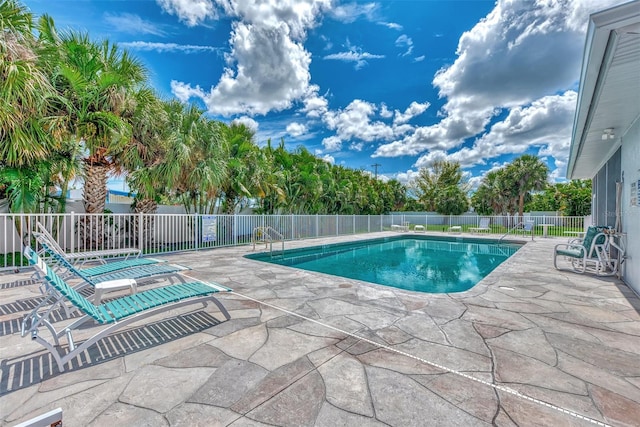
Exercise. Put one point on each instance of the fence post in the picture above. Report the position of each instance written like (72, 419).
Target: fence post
(72, 226)
(140, 232)
(235, 229)
(195, 231)
(337, 232)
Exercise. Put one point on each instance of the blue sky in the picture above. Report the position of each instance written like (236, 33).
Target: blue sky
(397, 84)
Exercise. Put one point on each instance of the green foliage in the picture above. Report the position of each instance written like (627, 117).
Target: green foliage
(451, 200)
(506, 189)
(442, 188)
(24, 188)
(572, 198)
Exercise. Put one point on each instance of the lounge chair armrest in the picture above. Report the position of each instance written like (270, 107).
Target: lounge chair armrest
(113, 285)
(567, 249)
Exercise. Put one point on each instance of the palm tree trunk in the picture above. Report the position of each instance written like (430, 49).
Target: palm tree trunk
(147, 207)
(95, 198)
(521, 207)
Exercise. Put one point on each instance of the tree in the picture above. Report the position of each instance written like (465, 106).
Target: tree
(196, 160)
(525, 174)
(451, 201)
(572, 198)
(244, 170)
(576, 197)
(442, 188)
(148, 148)
(24, 90)
(495, 194)
(94, 82)
(25, 94)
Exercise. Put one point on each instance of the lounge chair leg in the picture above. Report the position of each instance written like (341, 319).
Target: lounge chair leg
(221, 307)
(52, 349)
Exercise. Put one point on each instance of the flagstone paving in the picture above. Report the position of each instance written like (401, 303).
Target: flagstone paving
(528, 345)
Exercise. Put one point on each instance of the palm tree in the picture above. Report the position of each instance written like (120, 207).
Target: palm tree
(148, 148)
(195, 164)
(526, 173)
(94, 82)
(243, 166)
(151, 135)
(442, 188)
(25, 93)
(24, 90)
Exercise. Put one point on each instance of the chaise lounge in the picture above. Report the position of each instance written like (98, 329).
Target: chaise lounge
(114, 314)
(82, 257)
(483, 226)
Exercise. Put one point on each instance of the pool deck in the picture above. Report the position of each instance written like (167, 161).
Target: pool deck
(528, 345)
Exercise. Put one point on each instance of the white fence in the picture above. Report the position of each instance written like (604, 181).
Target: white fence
(166, 233)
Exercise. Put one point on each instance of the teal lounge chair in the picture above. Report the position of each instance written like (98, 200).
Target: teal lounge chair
(138, 268)
(585, 254)
(113, 315)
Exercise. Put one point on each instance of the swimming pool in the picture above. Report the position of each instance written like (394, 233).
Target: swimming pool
(432, 264)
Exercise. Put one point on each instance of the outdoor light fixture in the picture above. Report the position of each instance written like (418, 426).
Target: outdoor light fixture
(608, 134)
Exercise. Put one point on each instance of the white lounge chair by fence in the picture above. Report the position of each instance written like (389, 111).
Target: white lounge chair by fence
(483, 226)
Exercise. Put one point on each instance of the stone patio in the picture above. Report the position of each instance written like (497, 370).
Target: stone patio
(528, 345)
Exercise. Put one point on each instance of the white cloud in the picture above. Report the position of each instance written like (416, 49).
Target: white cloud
(406, 177)
(329, 158)
(267, 66)
(519, 53)
(356, 146)
(415, 109)
(419, 58)
(296, 129)
(267, 71)
(354, 54)
(298, 16)
(385, 113)
(315, 106)
(191, 12)
(133, 24)
(354, 122)
(545, 124)
(392, 25)
(351, 12)
(167, 47)
(184, 91)
(248, 122)
(328, 45)
(332, 143)
(405, 42)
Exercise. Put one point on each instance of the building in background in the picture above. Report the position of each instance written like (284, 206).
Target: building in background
(605, 144)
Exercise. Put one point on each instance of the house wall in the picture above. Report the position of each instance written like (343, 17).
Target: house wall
(604, 191)
(630, 163)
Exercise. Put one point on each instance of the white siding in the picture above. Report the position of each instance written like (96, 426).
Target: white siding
(631, 214)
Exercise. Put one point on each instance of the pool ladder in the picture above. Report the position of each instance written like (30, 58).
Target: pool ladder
(267, 235)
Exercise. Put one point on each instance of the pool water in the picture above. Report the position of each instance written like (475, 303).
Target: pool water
(417, 263)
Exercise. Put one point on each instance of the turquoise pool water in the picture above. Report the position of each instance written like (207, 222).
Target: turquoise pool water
(417, 263)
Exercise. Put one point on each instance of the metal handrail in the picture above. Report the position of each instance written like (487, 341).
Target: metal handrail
(518, 226)
(267, 235)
